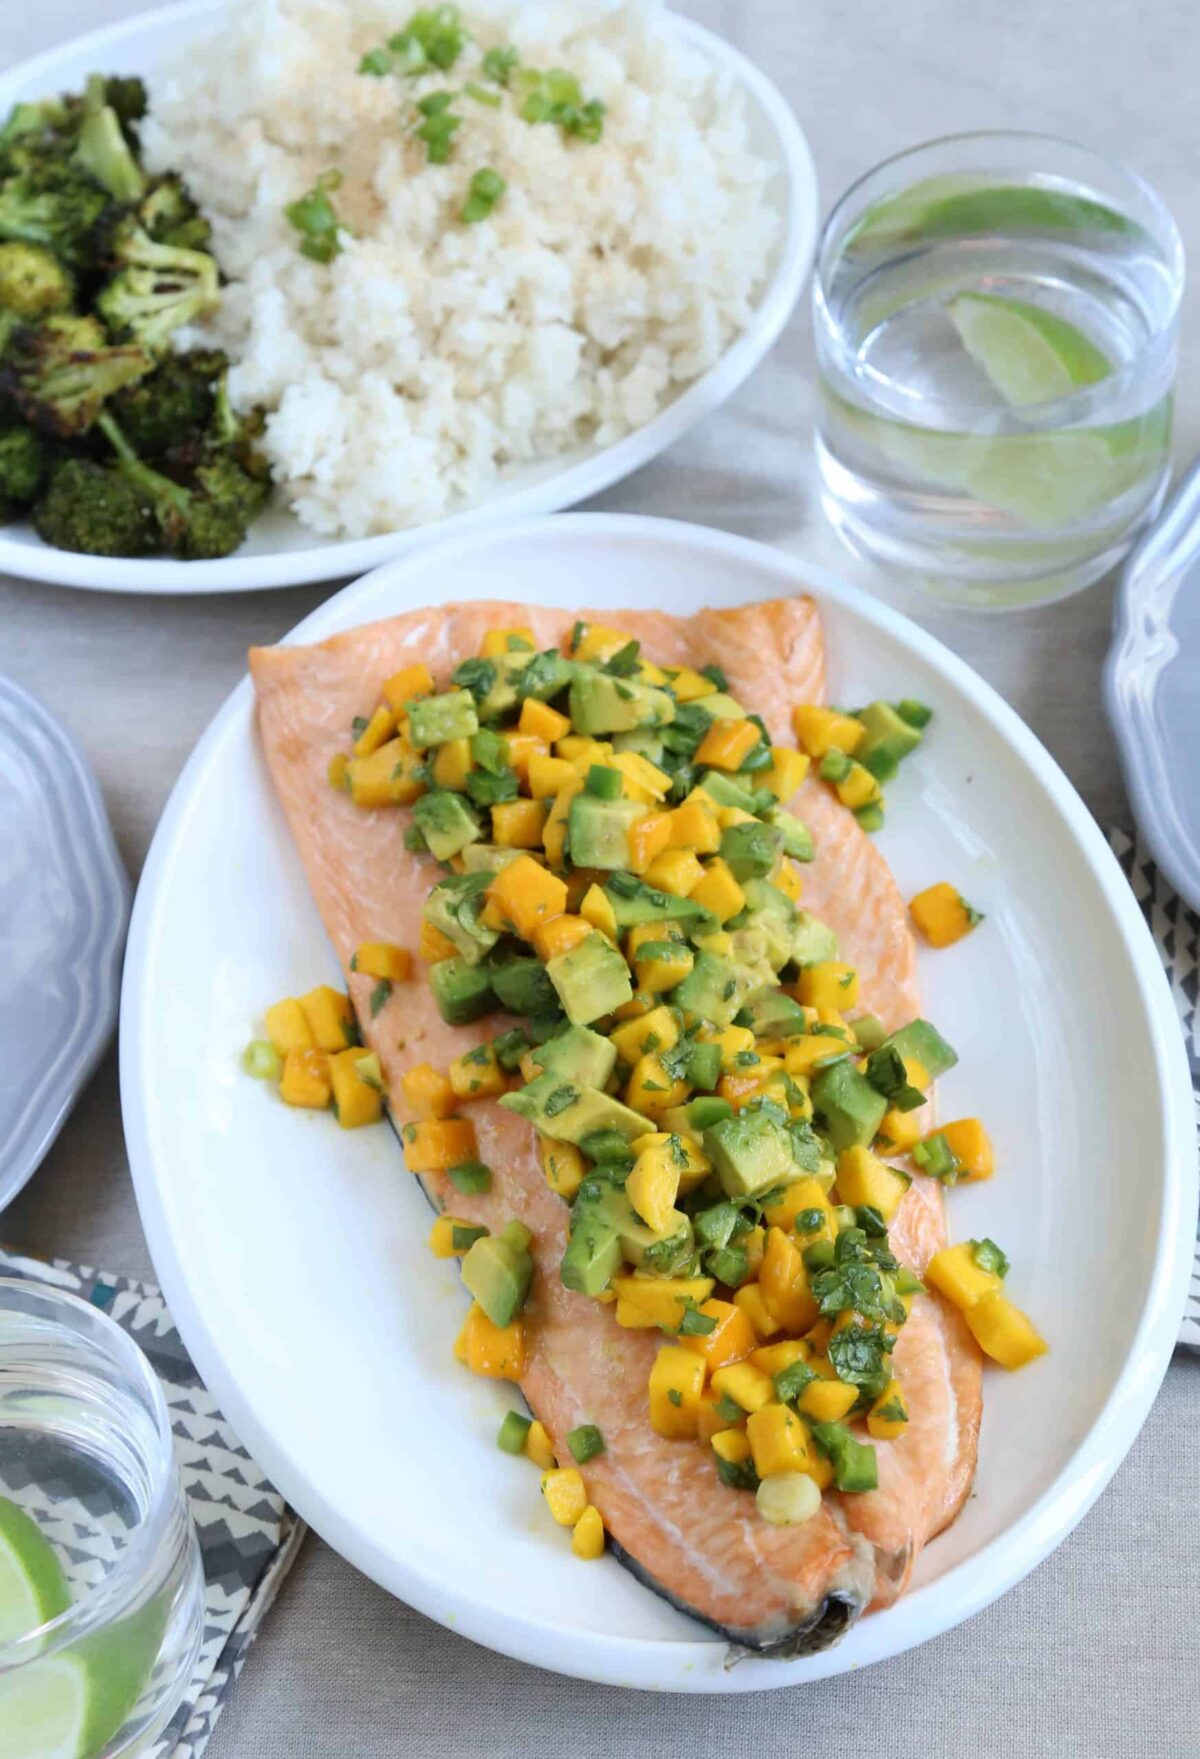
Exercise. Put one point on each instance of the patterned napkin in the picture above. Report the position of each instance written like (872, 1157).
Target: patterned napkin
(248, 1535)
(1176, 931)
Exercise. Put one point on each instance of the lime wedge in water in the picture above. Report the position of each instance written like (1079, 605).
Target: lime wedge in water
(962, 205)
(1029, 354)
(33, 1589)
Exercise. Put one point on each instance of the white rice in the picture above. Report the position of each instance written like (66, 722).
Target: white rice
(403, 377)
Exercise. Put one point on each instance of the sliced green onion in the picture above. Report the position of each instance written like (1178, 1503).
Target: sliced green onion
(917, 714)
(870, 817)
(262, 1060)
(381, 995)
(835, 766)
(481, 95)
(498, 65)
(485, 189)
(988, 1256)
(603, 783)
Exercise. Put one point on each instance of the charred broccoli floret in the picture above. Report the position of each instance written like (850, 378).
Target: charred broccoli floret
(96, 509)
(126, 94)
(104, 153)
(59, 373)
(32, 281)
(170, 411)
(56, 205)
(157, 288)
(24, 465)
(205, 517)
(170, 216)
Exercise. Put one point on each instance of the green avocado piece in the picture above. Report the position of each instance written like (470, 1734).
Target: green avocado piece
(725, 791)
(812, 941)
(502, 694)
(598, 830)
(702, 1066)
(591, 979)
(869, 1031)
(925, 1043)
(769, 1013)
(643, 740)
(851, 1108)
(487, 858)
(521, 985)
(462, 991)
(578, 1055)
(571, 1113)
(634, 902)
(721, 706)
(715, 988)
(797, 838)
(750, 1152)
(600, 703)
(454, 908)
(593, 1255)
(447, 822)
(705, 1110)
(498, 1274)
(889, 739)
(432, 720)
(750, 849)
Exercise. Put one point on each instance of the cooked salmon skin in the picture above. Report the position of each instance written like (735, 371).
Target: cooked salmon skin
(781, 1591)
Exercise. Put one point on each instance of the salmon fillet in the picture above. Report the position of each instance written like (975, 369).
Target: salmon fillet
(775, 1590)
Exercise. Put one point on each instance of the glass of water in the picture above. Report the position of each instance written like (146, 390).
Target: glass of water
(996, 329)
(101, 1590)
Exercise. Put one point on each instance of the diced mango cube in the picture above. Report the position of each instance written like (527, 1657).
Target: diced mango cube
(587, 1537)
(554, 834)
(406, 684)
(495, 1351)
(441, 1237)
(822, 729)
(676, 1382)
(436, 1145)
(971, 1146)
(306, 1080)
(731, 1339)
(433, 945)
(647, 838)
(384, 960)
(888, 1416)
(690, 685)
(527, 895)
(675, 871)
(651, 1090)
(1003, 1332)
(542, 720)
(552, 939)
(862, 1178)
(504, 641)
(538, 1446)
(330, 1018)
(783, 1280)
(746, 1385)
(827, 1401)
(694, 826)
(718, 891)
(778, 1440)
(788, 770)
(355, 1100)
(477, 1074)
(943, 915)
(828, 984)
(563, 1165)
(954, 1273)
(658, 1301)
(652, 1188)
(633, 1037)
(427, 1093)
(727, 744)
(750, 1299)
(595, 908)
(774, 1358)
(858, 788)
(377, 731)
(549, 776)
(288, 1028)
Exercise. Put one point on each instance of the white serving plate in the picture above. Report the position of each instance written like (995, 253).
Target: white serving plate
(293, 1255)
(279, 550)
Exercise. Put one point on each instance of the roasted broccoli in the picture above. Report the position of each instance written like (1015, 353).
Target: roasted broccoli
(95, 508)
(126, 94)
(157, 288)
(104, 153)
(56, 205)
(32, 281)
(170, 411)
(170, 216)
(205, 517)
(24, 464)
(60, 371)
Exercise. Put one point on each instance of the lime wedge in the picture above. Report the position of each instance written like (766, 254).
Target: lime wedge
(33, 1589)
(1030, 355)
(960, 205)
(69, 1706)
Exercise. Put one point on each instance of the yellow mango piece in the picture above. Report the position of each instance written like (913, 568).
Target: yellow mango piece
(543, 721)
(330, 1018)
(828, 984)
(731, 1340)
(1003, 1332)
(788, 881)
(633, 1036)
(859, 788)
(477, 1074)
(433, 945)
(651, 1090)
(659, 1301)
(778, 1440)
(587, 1536)
(750, 1299)
(441, 1237)
(377, 731)
(783, 1280)
(694, 826)
(505, 641)
(595, 908)
(900, 1131)
(538, 1446)
(732, 1446)
(727, 744)
(519, 824)
(972, 1148)
(385, 778)
(436, 1145)
(718, 891)
(407, 684)
(554, 938)
(287, 1027)
(801, 1195)
(452, 764)
(497, 1352)
(746, 1385)
(690, 685)
(355, 1101)
(563, 1166)
(646, 777)
(666, 965)
(652, 1188)
(954, 1273)
(788, 770)
(383, 959)
(306, 1080)
(675, 871)
(427, 1093)
(676, 1383)
(554, 834)
(527, 895)
(862, 1178)
(822, 729)
(888, 1416)
(566, 1498)
(548, 776)
(827, 1401)
(943, 915)
(597, 642)
(774, 1358)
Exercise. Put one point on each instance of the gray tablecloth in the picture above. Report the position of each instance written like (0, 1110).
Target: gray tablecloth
(1096, 1652)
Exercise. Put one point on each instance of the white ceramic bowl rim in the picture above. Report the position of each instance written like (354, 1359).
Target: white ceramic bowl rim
(548, 489)
(967, 1587)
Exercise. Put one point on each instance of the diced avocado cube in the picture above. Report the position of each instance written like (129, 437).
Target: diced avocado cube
(600, 703)
(447, 822)
(722, 707)
(868, 1031)
(750, 849)
(849, 1106)
(812, 941)
(602, 781)
(714, 1226)
(591, 979)
(593, 1255)
(769, 1013)
(521, 985)
(487, 858)
(889, 739)
(462, 992)
(725, 791)
(498, 1274)
(502, 693)
(924, 1044)
(750, 1152)
(644, 741)
(797, 838)
(454, 908)
(546, 676)
(598, 831)
(670, 1253)
(571, 1113)
(702, 1066)
(432, 720)
(715, 988)
(764, 898)
(634, 902)
(577, 1055)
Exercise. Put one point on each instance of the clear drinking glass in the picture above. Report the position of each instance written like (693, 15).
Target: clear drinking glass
(996, 328)
(101, 1590)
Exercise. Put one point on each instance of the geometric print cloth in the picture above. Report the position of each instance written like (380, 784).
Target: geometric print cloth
(1176, 931)
(249, 1536)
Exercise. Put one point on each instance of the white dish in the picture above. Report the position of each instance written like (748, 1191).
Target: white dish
(279, 550)
(294, 1256)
